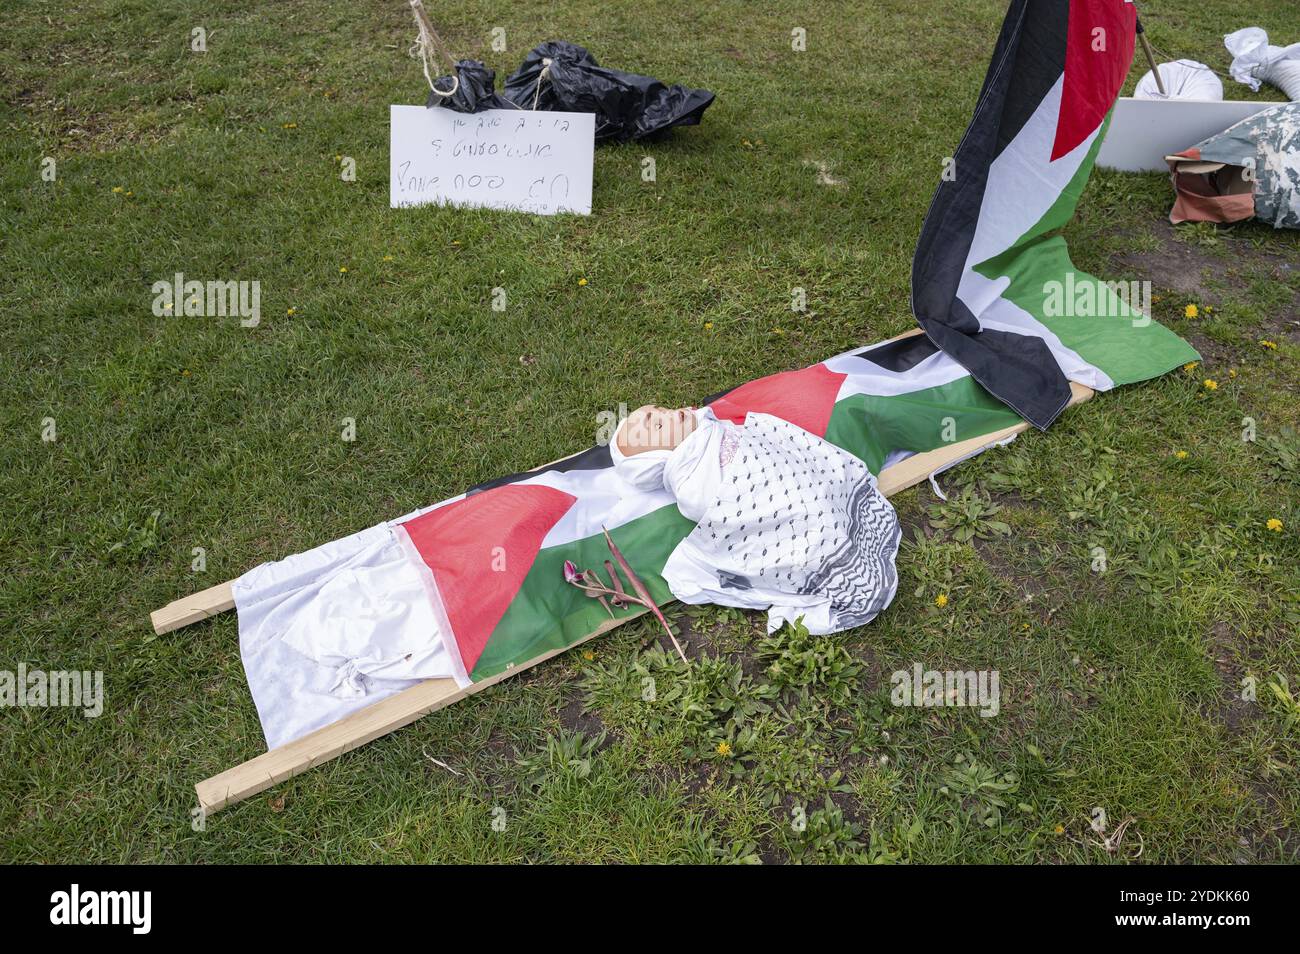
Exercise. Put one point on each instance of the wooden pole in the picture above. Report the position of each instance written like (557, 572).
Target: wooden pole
(1151, 57)
(385, 716)
(193, 608)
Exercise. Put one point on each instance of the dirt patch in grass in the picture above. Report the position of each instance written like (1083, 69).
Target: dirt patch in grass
(1196, 270)
(1202, 272)
(1213, 353)
(1043, 592)
(576, 718)
(1231, 710)
(1175, 266)
(701, 636)
(692, 775)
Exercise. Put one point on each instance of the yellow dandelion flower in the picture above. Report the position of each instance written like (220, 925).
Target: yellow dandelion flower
(290, 312)
(1181, 455)
(708, 326)
(1190, 366)
(343, 269)
(588, 654)
(1232, 372)
(581, 282)
(1190, 311)
(1270, 345)
(1274, 524)
(778, 331)
(388, 258)
(1211, 384)
(1059, 829)
(185, 373)
(941, 600)
(724, 748)
(118, 189)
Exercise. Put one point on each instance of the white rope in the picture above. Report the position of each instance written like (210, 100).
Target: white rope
(543, 75)
(423, 48)
(1190, 64)
(934, 484)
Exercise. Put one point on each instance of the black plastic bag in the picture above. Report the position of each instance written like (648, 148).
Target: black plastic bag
(476, 89)
(627, 106)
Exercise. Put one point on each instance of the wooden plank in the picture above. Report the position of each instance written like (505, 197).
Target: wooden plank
(195, 607)
(273, 767)
(365, 725)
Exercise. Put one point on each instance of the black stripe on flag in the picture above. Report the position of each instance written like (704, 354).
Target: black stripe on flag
(593, 458)
(902, 354)
(1017, 369)
(1039, 63)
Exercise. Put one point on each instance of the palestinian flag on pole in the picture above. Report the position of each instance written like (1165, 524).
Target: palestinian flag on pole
(992, 284)
(486, 569)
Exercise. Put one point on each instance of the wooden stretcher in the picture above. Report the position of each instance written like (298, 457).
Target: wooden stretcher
(387, 715)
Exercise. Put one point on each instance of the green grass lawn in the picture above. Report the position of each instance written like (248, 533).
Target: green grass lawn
(1121, 690)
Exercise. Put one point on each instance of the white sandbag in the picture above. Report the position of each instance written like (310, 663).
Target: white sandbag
(1183, 79)
(1255, 60)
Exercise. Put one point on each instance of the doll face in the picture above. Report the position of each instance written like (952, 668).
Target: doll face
(655, 428)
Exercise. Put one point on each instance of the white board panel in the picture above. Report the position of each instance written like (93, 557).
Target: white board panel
(1143, 131)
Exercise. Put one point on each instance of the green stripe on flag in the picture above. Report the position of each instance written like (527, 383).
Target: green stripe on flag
(871, 426)
(549, 613)
(1117, 339)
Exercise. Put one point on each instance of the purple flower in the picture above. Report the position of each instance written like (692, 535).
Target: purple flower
(570, 572)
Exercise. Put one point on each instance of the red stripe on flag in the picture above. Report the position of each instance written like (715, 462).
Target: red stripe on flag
(1098, 52)
(480, 549)
(805, 397)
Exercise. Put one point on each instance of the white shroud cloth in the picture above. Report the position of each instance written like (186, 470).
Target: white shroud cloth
(786, 522)
(335, 629)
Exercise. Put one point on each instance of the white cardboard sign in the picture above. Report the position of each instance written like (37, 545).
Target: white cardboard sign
(513, 159)
(1143, 131)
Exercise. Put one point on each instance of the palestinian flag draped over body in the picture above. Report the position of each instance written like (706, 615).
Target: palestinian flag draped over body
(992, 284)
(475, 585)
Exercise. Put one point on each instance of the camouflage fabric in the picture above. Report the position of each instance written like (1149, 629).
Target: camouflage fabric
(1270, 142)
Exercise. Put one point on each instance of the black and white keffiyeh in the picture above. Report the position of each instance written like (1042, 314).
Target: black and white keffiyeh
(787, 523)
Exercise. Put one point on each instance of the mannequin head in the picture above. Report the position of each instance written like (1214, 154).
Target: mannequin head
(654, 428)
